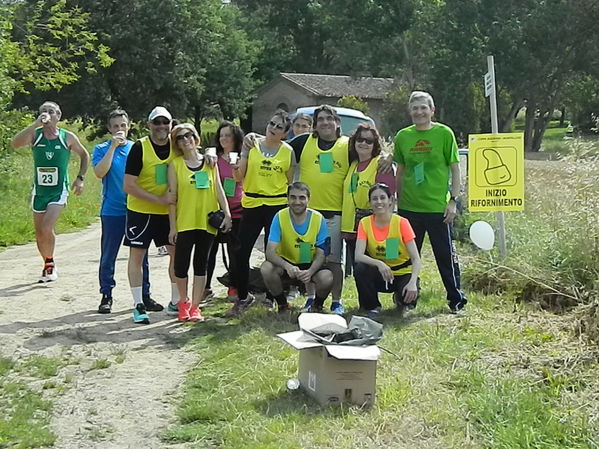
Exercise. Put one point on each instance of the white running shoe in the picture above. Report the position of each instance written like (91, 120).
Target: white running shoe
(293, 293)
(51, 274)
(43, 278)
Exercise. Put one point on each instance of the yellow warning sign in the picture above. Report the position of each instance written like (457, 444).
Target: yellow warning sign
(496, 172)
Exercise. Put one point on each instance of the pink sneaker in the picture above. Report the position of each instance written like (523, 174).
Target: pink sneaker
(184, 308)
(195, 314)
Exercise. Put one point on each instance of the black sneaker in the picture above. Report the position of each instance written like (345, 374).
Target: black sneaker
(151, 305)
(105, 304)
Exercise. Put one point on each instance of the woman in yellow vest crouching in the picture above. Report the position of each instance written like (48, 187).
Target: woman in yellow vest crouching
(387, 259)
(198, 191)
(364, 152)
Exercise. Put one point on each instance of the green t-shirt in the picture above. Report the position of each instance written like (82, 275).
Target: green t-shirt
(426, 157)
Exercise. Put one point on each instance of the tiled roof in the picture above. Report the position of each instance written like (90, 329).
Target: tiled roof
(341, 85)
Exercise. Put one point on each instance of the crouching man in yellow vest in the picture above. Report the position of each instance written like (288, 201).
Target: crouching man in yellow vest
(297, 245)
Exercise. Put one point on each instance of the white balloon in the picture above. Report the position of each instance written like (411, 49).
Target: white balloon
(482, 235)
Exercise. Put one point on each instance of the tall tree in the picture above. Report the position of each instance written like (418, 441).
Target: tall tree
(55, 45)
(538, 46)
(189, 55)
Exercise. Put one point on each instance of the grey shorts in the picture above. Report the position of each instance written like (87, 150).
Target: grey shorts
(334, 229)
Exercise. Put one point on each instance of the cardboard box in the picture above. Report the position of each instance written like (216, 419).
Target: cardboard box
(333, 373)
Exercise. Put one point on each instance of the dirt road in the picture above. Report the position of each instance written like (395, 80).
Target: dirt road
(123, 378)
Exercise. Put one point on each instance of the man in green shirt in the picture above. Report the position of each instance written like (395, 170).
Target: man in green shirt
(426, 153)
(51, 148)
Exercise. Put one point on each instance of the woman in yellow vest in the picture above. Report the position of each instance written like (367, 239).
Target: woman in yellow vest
(364, 152)
(387, 258)
(198, 191)
(266, 170)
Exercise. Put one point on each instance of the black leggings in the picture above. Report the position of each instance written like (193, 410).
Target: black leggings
(186, 240)
(231, 240)
(252, 222)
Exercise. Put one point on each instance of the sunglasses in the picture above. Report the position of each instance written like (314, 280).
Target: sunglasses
(159, 122)
(276, 125)
(181, 137)
(360, 139)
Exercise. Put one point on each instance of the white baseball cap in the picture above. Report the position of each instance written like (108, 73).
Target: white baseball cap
(159, 111)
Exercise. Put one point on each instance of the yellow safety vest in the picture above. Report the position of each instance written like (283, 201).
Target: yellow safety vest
(151, 165)
(295, 248)
(193, 203)
(327, 188)
(265, 182)
(355, 192)
(378, 249)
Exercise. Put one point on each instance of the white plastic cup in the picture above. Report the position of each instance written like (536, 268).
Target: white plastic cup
(233, 157)
(44, 118)
(211, 151)
(119, 137)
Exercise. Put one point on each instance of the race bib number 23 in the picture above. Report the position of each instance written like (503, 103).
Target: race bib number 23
(47, 176)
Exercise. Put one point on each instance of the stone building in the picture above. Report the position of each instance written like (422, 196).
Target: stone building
(290, 91)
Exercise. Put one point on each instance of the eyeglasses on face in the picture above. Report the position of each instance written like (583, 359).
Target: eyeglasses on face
(361, 139)
(161, 121)
(276, 125)
(181, 137)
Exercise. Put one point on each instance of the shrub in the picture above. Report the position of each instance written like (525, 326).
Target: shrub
(11, 122)
(353, 102)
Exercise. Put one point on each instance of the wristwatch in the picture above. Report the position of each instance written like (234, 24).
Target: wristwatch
(453, 198)
(80, 178)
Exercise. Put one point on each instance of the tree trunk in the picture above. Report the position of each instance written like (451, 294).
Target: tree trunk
(539, 129)
(529, 122)
(246, 122)
(197, 120)
(562, 117)
(506, 126)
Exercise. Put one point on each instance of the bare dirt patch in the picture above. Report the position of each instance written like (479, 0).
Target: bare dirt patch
(122, 379)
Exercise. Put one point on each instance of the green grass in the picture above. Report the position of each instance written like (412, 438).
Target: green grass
(508, 375)
(25, 412)
(42, 367)
(24, 417)
(469, 382)
(100, 364)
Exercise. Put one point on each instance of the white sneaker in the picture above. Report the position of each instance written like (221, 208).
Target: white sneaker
(51, 274)
(43, 278)
(293, 293)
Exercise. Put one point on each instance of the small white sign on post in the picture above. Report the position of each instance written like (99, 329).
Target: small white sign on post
(488, 84)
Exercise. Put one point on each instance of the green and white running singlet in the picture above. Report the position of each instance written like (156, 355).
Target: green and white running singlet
(50, 170)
